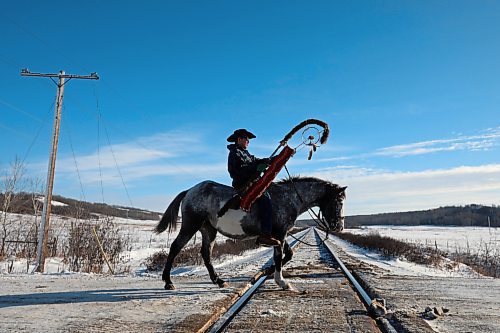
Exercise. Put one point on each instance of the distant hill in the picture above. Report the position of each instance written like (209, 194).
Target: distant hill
(470, 215)
(24, 203)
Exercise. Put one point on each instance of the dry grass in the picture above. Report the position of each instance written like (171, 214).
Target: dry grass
(82, 252)
(391, 247)
(481, 262)
(191, 255)
(485, 261)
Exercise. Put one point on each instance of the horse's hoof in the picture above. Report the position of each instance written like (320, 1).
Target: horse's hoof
(169, 286)
(270, 270)
(289, 287)
(223, 285)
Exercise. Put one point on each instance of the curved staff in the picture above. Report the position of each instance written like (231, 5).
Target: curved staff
(257, 186)
(322, 140)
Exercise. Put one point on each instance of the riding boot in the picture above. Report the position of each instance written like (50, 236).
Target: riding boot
(266, 216)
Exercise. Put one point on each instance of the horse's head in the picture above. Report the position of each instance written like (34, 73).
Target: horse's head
(332, 207)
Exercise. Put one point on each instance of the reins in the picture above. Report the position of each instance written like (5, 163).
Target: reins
(320, 221)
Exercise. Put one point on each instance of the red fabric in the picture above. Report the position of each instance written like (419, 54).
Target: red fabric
(257, 188)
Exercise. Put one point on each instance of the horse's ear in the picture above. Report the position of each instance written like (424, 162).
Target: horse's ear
(342, 189)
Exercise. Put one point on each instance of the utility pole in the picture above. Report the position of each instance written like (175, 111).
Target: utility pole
(43, 232)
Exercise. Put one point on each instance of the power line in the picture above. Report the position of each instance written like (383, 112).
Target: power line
(99, 154)
(45, 221)
(43, 122)
(10, 62)
(16, 132)
(35, 36)
(68, 132)
(28, 151)
(102, 119)
(111, 149)
(113, 89)
(12, 107)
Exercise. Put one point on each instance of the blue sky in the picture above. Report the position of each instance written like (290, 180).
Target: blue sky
(410, 90)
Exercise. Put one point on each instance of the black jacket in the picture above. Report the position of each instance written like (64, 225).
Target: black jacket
(242, 165)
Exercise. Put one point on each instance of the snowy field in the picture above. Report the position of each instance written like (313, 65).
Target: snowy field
(449, 239)
(144, 242)
(135, 300)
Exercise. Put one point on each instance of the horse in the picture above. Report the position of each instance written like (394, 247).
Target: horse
(290, 198)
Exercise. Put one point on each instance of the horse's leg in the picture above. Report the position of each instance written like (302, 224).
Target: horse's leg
(208, 234)
(180, 241)
(278, 262)
(287, 257)
(288, 253)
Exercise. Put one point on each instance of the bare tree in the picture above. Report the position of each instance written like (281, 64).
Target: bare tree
(10, 186)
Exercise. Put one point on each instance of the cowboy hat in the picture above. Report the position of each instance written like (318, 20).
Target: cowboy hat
(240, 133)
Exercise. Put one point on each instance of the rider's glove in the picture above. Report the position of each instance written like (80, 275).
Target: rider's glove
(261, 167)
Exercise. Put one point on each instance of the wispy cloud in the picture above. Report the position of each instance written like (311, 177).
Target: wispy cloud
(488, 139)
(109, 156)
(484, 141)
(370, 190)
(111, 177)
(162, 154)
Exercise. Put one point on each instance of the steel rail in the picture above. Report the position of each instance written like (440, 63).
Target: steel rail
(240, 302)
(376, 306)
(364, 295)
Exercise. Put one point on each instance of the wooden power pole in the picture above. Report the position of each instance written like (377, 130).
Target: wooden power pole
(43, 232)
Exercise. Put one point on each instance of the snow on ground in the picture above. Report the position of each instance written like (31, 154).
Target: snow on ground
(137, 299)
(449, 239)
(398, 266)
(52, 202)
(144, 242)
(135, 302)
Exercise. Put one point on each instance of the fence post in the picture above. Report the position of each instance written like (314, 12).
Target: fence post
(102, 250)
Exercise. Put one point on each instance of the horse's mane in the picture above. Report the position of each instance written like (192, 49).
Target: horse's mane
(301, 179)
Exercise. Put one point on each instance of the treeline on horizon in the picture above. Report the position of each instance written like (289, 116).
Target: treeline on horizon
(27, 203)
(463, 216)
(469, 215)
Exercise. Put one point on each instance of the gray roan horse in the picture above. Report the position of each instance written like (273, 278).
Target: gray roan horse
(201, 203)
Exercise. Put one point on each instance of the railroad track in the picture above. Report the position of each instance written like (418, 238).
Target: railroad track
(323, 299)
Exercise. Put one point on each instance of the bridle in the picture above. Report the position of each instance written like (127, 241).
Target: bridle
(337, 214)
(319, 217)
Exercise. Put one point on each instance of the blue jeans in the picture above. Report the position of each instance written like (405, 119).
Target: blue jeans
(265, 213)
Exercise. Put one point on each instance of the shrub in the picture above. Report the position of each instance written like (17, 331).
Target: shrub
(82, 252)
(486, 261)
(191, 255)
(391, 247)
(156, 261)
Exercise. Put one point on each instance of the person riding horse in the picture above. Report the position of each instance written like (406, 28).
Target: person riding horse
(243, 167)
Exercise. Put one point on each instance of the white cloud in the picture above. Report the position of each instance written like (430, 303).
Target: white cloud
(158, 154)
(125, 155)
(111, 177)
(485, 141)
(370, 191)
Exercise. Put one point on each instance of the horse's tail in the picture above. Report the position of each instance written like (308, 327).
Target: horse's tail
(169, 218)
